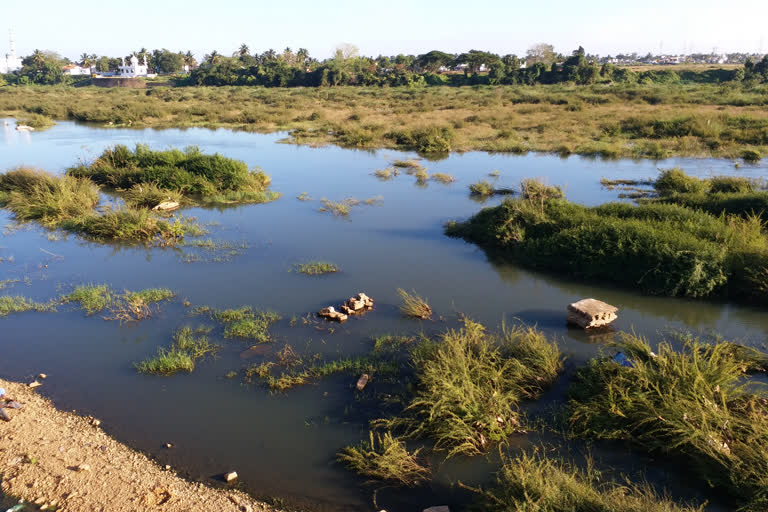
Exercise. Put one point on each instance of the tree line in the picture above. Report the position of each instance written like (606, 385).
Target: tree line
(540, 65)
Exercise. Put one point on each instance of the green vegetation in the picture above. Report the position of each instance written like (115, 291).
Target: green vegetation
(188, 347)
(150, 295)
(149, 195)
(694, 403)
(68, 203)
(208, 178)
(18, 304)
(413, 305)
(386, 174)
(36, 195)
(91, 298)
(315, 268)
(471, 382)
(539, 484)
(484, 188)
(638, 120)
(343, 208)
(664, 249)
(243, 323)
(443, 178)
(536, 190)
(384, 457)
(36, 121)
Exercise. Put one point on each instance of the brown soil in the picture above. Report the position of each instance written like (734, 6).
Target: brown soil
(60, 461)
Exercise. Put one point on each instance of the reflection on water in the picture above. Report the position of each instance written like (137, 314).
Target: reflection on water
(284, 445)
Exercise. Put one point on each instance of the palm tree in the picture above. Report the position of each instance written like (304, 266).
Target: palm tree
(213, 58)
(38, 58)
(243, 50)
(189, 59)
(85, 60)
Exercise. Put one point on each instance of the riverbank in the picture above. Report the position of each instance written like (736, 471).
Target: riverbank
(59, 459)
(606, 120)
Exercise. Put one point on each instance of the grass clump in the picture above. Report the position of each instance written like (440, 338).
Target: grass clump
(209, 178)
(91, 298)
(36, 195)
(407, 164)
(538, 484)
(305, 372)
(413, 305)
(471, 382)
(386, 174)
(445, 179)
(386, 458)
(149, 195)
(536, 190)
(10, 304)
(36, 121)
(243, 323)
(692, 403)
(339, 208)
(674, 180)
(150, 295)
(485, 188)
(188, 347)
(662, 249)
(315, 268)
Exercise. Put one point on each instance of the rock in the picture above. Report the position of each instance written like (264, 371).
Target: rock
(231, 476)
(440, 508)
(167, 467)
(168, 445)
(355, 305)
(363, 381)
(24, 128)
(95, 422)
(591, 313)
(34, 384)
(166, 206)
(83, 467)
(331, 314)
(42, 376)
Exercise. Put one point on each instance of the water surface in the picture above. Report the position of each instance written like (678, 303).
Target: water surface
(284, 445)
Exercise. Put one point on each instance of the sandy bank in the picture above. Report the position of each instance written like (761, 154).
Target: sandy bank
(58, 458)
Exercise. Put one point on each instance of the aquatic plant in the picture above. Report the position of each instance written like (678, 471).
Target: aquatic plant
(18, 304)
(533, 482)
(386, 174)
(676, 181)
(407, 164)
(92, 298)
(413, 305)
(656, 248)
(692, 403)
(149, 195)
(243, 322)
(36, 121)
(443, 178)
(209, 178)
(470, 383)
(386, 458)
(536, 190)
(36, 195)
(188, 347)
(315, 268)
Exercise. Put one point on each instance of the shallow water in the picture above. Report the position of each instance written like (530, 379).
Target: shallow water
(284, 445)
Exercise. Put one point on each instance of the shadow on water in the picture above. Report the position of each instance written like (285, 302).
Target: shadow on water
(284, 445)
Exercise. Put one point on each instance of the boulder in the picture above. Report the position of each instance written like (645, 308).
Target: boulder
(591, 313)
(363, 381)
(166, 206)
(331, 314)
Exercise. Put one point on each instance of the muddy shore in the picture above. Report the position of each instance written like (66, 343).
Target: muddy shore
(61, 461)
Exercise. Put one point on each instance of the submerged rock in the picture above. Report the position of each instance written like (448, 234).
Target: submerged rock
(166, 206)
(591, 313)
(363, 381)
(331, 314)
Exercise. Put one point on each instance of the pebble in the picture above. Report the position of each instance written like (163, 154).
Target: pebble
(34, 384)
(231, 476)
(83, 467)
(168, 445)
(167, 467)
(42, 376)
(95, 422)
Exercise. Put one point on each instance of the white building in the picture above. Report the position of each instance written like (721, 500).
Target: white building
(134, 69)
(10, 63)
(76, 70)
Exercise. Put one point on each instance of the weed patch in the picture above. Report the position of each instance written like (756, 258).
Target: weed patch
(188, 347)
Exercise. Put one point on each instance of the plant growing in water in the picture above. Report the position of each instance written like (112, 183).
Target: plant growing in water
(315, 268)
(385, 457)
(413, 305)
(188, 347)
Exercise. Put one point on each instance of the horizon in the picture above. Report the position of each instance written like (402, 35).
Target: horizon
(600, 27)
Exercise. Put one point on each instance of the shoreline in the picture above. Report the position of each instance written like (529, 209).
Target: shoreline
(61, 461)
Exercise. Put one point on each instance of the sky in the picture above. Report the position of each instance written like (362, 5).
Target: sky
(390, 27)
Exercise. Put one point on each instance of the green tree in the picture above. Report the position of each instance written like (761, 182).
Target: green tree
(432, 61)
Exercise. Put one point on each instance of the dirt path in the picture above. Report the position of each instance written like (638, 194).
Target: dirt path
(60, 461)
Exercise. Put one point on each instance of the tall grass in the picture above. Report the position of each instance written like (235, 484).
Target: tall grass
(661, 249)
(384, 457)
(533, 483)
(413, 305)
(188, 347)
(210, 178)
(692, 403)
(470, 383)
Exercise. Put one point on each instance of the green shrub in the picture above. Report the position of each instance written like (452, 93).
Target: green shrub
(692, 403)
(470, 383)
(676, 181)
(384, 457)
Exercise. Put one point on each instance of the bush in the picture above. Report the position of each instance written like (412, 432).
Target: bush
(384, 457)
(691, 403)
(470, 383)
(675, 180)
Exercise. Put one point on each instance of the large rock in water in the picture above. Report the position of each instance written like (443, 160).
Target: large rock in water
(591, 313)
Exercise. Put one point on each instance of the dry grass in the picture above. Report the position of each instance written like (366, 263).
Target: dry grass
(414, 306)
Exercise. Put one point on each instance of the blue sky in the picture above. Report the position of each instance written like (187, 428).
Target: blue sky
(389, 27)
